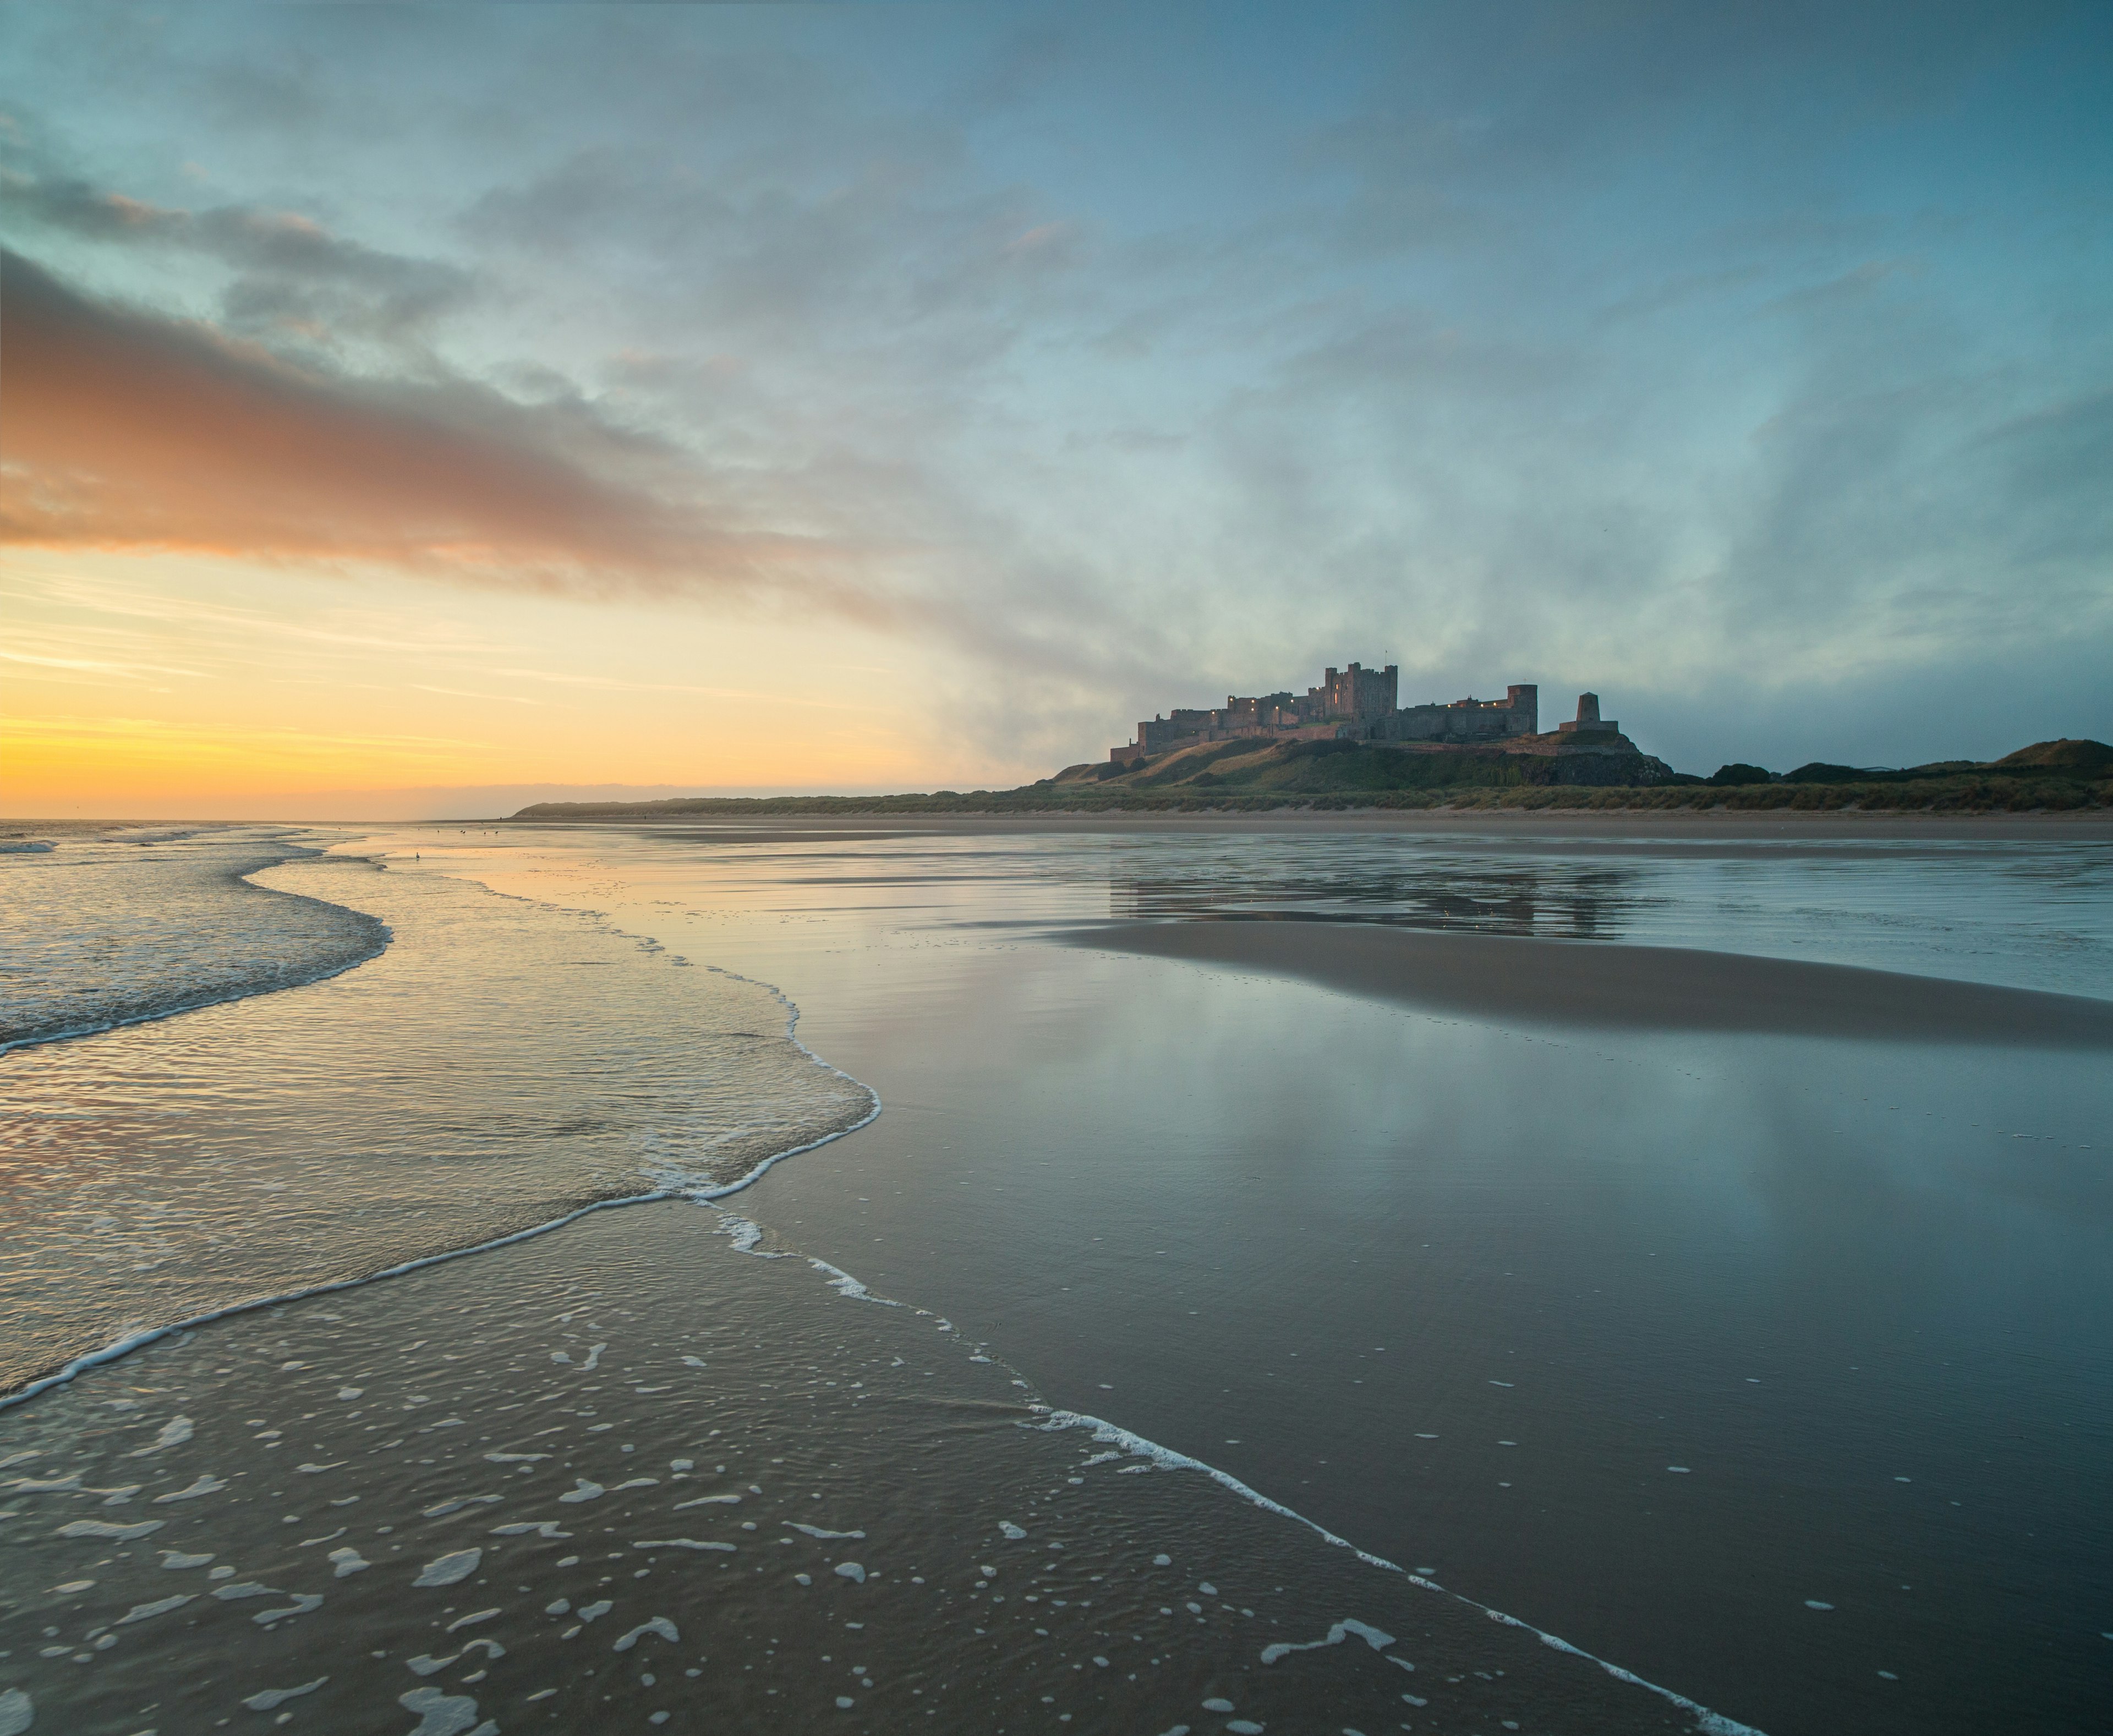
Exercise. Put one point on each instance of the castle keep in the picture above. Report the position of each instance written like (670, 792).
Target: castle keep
(1354, 703)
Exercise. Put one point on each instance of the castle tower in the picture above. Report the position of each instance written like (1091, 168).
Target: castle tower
(1588, 718)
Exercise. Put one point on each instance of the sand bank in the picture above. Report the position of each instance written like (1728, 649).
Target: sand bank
(1648, 831)
(1635, 988)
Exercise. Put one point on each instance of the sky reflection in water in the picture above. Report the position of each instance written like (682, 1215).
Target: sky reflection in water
(1201, 1201)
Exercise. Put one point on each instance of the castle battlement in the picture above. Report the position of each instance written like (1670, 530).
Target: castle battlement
(1355, 704)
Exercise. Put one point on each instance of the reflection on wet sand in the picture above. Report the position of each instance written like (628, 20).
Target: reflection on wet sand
(1554, 901)
(1573, 1318)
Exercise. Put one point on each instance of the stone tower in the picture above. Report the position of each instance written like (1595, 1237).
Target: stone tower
(1588, 718)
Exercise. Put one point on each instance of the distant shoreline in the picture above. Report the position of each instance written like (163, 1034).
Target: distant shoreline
(2093, 804)
(1731, 833)
(766, 820)
(1235, 776)
(1974, 795)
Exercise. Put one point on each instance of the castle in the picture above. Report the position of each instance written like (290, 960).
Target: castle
(1356, 704)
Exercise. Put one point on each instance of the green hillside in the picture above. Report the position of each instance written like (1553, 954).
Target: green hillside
(1249, 767)
(1243, 777)
(2083, 759)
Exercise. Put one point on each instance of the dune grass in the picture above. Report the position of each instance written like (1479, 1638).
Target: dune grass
(1237, 777)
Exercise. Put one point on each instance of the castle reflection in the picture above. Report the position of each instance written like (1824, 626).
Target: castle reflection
(1552, 900)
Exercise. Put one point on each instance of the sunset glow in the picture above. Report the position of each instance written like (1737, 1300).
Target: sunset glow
(891, 398)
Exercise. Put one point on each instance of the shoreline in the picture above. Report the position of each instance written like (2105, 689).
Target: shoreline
(436, 1495)
(1715, 825)
(967, 1494)
(2093, 825)
(1048, 1419)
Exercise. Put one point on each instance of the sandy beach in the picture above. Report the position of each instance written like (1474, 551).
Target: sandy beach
(1556, 1211)
(636, 1471)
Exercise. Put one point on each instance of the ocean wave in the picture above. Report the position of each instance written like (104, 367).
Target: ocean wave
(129, 925)
(500, 1068)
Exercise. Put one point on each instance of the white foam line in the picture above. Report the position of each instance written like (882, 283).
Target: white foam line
(702, 1195)
(845, 1285)
(464, 874)
(1715, 1723)
(1711, 1722)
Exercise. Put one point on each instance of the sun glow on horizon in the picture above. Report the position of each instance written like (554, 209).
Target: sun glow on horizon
(179, 687)
(861, 398)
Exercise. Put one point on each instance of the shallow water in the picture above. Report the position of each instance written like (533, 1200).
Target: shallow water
(1848, 1288)
(2030, 915)
(2034, 911)
(500, 1065)
(1772, 1368)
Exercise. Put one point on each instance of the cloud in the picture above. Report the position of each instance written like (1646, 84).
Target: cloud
(884, 264)
(1629, 346)
(294, 274)
(126, 429)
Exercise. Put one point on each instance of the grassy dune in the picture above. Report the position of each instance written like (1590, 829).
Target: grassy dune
(1241, 777)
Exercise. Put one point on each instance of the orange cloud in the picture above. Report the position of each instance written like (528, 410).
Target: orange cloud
(127, 430)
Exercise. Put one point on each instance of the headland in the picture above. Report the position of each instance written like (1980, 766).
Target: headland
(1345, 745)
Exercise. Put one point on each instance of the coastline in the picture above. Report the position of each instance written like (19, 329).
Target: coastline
(922, 1510)
(1605, 1695)
(1718, 826)
(424, 1160)
(277, 1331)
(1378, 788)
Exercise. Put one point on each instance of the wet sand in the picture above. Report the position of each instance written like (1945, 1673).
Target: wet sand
(1632, 988)
(627, 1475)
(1217, 1204)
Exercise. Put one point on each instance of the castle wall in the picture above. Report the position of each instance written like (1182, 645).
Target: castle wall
(1518, 713)
(1357, 702)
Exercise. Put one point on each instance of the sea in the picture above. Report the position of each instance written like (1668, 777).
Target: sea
(807, 1276)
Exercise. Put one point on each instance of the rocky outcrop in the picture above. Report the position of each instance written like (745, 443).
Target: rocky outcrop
(1627, 771)
(1579, 757)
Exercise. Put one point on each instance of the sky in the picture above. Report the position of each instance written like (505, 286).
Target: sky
(420, 411)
